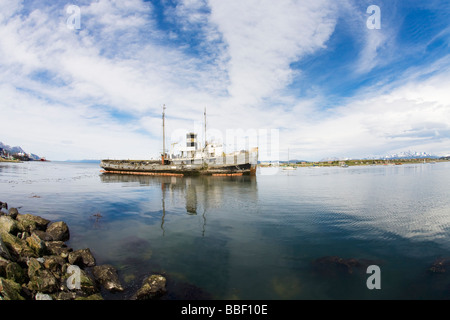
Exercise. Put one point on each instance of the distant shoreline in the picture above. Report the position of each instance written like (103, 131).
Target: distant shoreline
(7, 160)
(337, 163)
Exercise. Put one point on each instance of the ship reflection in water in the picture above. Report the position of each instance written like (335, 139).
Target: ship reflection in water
(199, 194)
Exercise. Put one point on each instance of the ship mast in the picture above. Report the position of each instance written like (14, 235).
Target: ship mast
(164, 135)
(205, 126)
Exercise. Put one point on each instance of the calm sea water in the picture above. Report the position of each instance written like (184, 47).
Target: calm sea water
(252, 237)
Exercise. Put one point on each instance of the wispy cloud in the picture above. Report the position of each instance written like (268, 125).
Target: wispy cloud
(263, 40)
(414, 114)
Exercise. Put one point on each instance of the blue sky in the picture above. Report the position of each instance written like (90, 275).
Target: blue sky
(312, 70)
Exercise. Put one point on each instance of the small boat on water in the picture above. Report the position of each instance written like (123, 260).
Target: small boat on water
(192, 159)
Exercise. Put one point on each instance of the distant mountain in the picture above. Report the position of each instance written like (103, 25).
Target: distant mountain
(401, 155)
(11, 149)
(18, 150)
(410, 155)
(293, 161)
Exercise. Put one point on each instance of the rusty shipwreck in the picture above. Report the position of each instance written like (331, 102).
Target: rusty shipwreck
(193, 158)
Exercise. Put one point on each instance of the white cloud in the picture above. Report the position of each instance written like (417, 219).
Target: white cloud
(263, 39)
(413, 116)
(63, 87)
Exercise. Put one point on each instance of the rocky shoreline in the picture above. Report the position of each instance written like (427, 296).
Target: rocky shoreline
(36, 264)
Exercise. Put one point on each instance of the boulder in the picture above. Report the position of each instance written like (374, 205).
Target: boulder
(58, 248)
(80, 280)
(54, 263)
(10, 290)
(34, 266)
(3, 205)
(96, 296)
(65, 295)
(78, 295)
(39, 222)
(87, 283)
(4, 252)
(59, 231)
(107, 276)
(42, 296)
(153, 287)
(36, 244)
(17, 247)
(15, 273)
(13, 212)
(82, 258)
(3, 264)
(8, 224)
(44, 236)
(27, 226)
(43, 281)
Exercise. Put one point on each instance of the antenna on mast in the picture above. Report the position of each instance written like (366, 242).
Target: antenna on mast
(163, 157)
(205, 125)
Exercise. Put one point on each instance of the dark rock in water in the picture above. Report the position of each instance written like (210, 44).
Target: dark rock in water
(3, 205)
(107, 276)
(153, 287)
(82, 258)
(58, 231)
(333, 265)
(35, 263)
(439, 265)
(87, 283)
(13, 212)
(181, 290)
(43, 235)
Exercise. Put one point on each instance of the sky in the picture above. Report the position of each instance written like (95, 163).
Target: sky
(300, 79)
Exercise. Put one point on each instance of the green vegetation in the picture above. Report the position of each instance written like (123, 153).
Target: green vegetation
(8, 160)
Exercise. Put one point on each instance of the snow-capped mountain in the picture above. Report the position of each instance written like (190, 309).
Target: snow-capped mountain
(17, 150)
(410, 155)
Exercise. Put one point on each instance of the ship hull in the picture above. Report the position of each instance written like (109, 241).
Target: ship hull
(156, 168)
